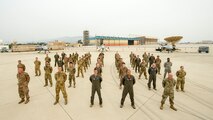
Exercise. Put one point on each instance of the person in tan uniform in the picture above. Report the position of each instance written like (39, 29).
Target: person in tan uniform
(66, 60)
(47, 59)
(71, 70)
(80, 68)
(48, 70)
(37, 67)
(122, 72)
(142, 69)
(60, 78)
(21, 65)
(23, 81)
(158, 64)
(180, 79)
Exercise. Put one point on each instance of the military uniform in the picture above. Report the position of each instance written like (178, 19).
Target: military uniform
(152, 77)
(47, 59)
(96, 87)
(99, 69)
(122, 72)
(61, 64)
(22, 66)
(137, 63)
(167, 66)
(66, 60)
(128, 83)
(151, 60)
(23, 90)
(71, 71)
(80, 68)
(158, 62)
(37, 67)
(142, 69)
(180, 79)
(168, 86)
(48, 70)
(60, 78)
(145, 57)
(56, 56)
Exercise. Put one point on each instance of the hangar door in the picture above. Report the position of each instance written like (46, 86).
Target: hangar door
(130, 42)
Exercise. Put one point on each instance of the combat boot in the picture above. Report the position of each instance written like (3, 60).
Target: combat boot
(51, 85)
(161, 107)
(133, 106)
(56, 102)
(65, 101)
(91, 105)
(21, 101)
(28, 100)
(121, 106)
(183, 90)
(172, 107)
(45, 85)
(69, 86)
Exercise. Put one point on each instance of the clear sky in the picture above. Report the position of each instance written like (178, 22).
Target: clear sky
(34, 20)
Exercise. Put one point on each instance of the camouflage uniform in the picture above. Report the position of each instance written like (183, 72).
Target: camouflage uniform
(142, 69)
(180, 79)
(23, 90)
(71, 71)
(122, 72)
(22, 66)
(167, 66)
(47, 59)
(168, 91)
(158, 62)
(37, 67)
(48, 70)
(60, 78)
(66, 60)
(80, 68)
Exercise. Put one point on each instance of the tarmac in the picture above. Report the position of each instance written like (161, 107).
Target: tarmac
(195, 104)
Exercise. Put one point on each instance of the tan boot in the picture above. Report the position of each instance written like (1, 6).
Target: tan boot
(28, 100)
(161, 107)
(65, 101)
(172, 107)
(21, 101)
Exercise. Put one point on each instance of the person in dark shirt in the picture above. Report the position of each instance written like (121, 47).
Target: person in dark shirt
(96, 80)
(152, 76)
(128, 81)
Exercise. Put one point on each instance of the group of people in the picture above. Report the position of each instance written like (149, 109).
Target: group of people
(64, 64)
(149, 63)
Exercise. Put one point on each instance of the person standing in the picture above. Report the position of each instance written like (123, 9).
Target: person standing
(96, 80)
(23, 81)
(47, 59)
(60, 78)
(151, 60)
(142, 69)
(158, 64)
(66, 60)
(180, 79)
(56, 56)
(167, 66)
(71, 69)
(60, 63)
(137, 63)
(62, 55)
(152, 76)
(37, 67)
(48, 71)
(168, 85)
(128, 81)
(21, 65)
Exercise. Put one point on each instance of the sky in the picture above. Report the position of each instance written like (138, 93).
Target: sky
(35, 20)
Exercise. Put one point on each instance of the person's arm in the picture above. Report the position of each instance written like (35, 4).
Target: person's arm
(149, 70)
(100, 79)
(90, 78)
(163, 83)
(133, 80)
